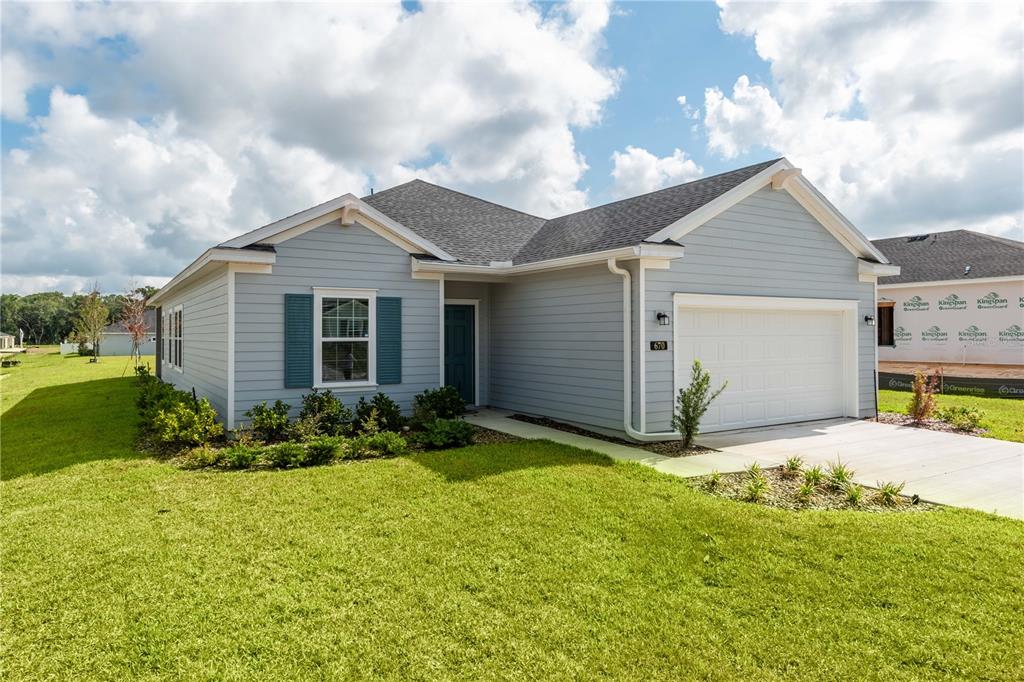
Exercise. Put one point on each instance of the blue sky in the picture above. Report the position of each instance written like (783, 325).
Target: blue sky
(136, 135)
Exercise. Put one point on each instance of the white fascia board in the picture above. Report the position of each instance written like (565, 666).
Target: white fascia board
(953, 282)
(808, 196)
(870, 272)
(214, 256)
(646, 251)
(341, 207)
(692, 221)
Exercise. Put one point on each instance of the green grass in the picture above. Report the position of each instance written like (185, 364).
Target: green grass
(528, 560)
(1004, 417)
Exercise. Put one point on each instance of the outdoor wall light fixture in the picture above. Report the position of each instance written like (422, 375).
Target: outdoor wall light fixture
(663, 319)
(869, 320)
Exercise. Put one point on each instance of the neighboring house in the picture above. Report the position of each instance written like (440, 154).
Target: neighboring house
(958, 298)
(7, 342)
(592, 318)
(116, 341)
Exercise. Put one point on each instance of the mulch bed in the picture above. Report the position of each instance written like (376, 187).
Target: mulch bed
(930, 424)
(484, 436)
(669, 448)
(782, 494)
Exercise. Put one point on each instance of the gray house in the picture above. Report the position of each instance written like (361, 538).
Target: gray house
(592, 318)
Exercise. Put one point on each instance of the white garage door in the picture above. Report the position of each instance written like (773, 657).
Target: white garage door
(782, 365)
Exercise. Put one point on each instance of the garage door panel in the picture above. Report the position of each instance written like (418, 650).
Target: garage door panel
(781, 366)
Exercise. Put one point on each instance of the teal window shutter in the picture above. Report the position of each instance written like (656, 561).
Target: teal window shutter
(298, 340)
(389, 340)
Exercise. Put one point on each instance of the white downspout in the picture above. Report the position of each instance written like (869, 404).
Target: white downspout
(627, 362)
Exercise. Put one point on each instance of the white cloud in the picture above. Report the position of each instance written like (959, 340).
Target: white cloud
(277, 107)
(637, 171)
(689, 112)
(906, 115)
(16, 82)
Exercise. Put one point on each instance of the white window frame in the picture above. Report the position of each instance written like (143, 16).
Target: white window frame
(174, 358)
(319, 294)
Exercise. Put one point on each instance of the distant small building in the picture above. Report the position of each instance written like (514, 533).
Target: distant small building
(958, 298)
(7, 342)
(116, 341)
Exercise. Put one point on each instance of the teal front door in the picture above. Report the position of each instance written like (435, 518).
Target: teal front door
(459, 354)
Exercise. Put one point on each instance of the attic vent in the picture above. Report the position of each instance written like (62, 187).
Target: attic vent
(917, 238)
(967, 269)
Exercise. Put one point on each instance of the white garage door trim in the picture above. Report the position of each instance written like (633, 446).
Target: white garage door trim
(848, 308)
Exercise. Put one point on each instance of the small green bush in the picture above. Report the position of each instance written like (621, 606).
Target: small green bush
(754, 470)
(155, 396)
(388, 415)
(962, 417)
(814, 475)
(240, 456)
(922, 400)
(269, 423)
(793, 466)
(713, 481)
(437, 403)
(805, 492)
(324, 450)
(201, 457)
(326, 414)
(445, 433)
(839, 475)
(756, 489)
(889, 493)
(854, 494)
(382, 444)
(692, 402)
(187, 422)
(285, 455)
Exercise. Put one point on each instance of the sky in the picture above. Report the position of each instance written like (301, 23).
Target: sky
(134, 136)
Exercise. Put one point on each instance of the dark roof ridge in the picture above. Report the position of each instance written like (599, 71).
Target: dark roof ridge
(1005, 241)
(670, 187)
(455, 191)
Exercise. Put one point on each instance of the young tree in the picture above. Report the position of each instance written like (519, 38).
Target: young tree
(92, 318)
(133, 320)
(692, 402)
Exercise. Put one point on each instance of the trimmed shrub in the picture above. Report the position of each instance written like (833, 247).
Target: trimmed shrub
(269, 423)
(285, 455)
(324, 414)
(202, 457)
(922, 402)
(324, 450)
(187, 422)
(388, 415)
(445, 433)
(155, 396)
(437, 403)
(692, 402)
(382, 444)
(961, 417)
(240, 456)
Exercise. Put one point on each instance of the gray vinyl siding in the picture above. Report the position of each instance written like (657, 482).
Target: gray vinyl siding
(482, 292)
(556, 346)
(205, 340)
(767, 245)
(331, 256)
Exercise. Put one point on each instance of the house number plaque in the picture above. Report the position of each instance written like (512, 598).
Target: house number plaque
(659, 345)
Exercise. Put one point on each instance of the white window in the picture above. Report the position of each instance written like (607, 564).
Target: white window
(174, 333)
(344, 353)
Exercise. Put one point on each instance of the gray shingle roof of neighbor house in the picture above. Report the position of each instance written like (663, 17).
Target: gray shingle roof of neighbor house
(944, 256)
(477, 231)
(149, 318)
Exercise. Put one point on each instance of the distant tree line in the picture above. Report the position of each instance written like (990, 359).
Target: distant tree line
(50, 317)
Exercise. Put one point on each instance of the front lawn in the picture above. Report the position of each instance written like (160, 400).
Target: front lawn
(524, 560)
(1004, 417)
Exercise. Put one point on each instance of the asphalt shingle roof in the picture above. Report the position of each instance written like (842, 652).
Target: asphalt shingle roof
(471, 229)
(945, 255)
(478, 231)
(629, 221)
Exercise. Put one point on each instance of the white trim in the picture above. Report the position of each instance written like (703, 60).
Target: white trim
(870, 272)
(652, 252)
(214, 256)
(440, 331)
(799, 188)
(953, 282)
(475, 302)
(371, 349)
(347, 207)
(848, 307)
(180, 367)
(231, 348)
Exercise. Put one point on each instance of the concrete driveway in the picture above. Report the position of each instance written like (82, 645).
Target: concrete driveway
(948, 468)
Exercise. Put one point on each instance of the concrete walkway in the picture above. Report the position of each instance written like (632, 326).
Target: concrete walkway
(695, 465)
(947, 468)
